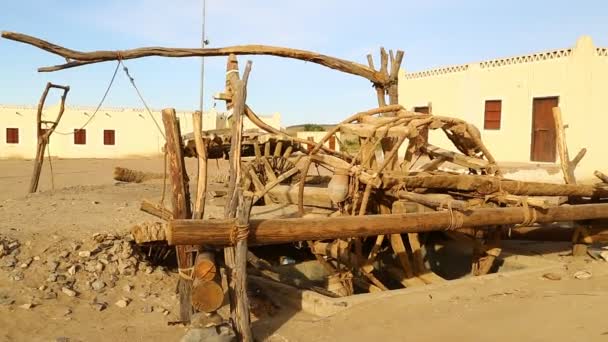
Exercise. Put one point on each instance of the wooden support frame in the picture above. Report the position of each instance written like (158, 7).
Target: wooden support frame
(43, 138)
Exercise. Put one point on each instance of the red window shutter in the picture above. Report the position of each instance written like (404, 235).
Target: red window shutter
(492, 114)
(109, 137)
(80, 137)
(12, 135)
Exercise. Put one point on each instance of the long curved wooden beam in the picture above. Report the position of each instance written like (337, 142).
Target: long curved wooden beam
(78, 58)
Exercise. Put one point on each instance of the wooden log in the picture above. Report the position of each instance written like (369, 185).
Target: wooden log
(43, 138)
(562, 147)
(207, 296)
(488, 184)
(313, 195)
(204, 267)
(201, 152)
(432, 200)
(78, 58)
(180, 200)
(456, 158)
(123, 174)
(601, 176)
(156, 210)
(276, 231)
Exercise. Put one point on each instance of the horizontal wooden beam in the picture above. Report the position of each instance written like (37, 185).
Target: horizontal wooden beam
(277, 231)
(77, 58)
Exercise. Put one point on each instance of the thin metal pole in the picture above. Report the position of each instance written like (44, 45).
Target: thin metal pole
(203, 43)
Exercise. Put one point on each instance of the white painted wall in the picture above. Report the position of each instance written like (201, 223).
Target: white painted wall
(578, 76)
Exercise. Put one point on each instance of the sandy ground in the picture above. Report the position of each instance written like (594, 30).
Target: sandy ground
(513, 306)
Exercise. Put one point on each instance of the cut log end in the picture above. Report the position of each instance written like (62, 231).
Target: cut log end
(207, 296)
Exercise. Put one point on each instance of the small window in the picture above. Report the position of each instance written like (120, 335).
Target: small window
(12, 135)
(109, 136)
(80, 137)
(422, 110)
(492, 114)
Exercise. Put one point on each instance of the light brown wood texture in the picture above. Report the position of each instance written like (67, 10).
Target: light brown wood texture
(180, 200)
(207, 296)
(78, 58)
(201, 152)
(156, 210)
(276, 231)
(43, 138)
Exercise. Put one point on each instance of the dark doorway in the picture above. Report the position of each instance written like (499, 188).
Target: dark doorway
(543, 130)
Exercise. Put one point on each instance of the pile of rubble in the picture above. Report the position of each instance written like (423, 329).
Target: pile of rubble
(95, 267)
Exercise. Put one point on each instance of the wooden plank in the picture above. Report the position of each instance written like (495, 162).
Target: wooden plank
(201, 152)
(368, 131)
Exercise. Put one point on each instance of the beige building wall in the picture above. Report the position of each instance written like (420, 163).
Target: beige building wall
(577, 75)
(136, 134)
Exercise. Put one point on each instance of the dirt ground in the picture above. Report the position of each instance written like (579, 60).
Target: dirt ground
(86, 200)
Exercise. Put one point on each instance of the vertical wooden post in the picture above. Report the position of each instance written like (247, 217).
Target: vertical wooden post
(43, 139)
(201, 151)
(181, 207)
(238, 206)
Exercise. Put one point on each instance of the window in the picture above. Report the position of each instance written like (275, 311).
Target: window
(492, 114)
(12, 135)
(423, 110)
(80, 137)
(109, 137)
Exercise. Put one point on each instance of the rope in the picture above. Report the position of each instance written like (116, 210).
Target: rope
(126, 70)
(239, 233)
(186, 273)
(456, 218)
(103, 98)
(529, 214)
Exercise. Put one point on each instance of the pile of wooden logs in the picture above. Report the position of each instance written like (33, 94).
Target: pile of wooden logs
(385, 197)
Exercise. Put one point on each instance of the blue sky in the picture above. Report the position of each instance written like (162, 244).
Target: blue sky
(432, 33)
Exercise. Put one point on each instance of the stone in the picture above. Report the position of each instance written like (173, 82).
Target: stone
(210, 334)
(17, 276)
(74, 246)
(127, 288)
(122, 303)
(52, 278)
(49, 295)
(204, 320)
(99, 266)
(84, 254)
(72, 270)
(42, 287)
(67, 311)
(100, 306)
(582, 275)
(9, 261)
(552, 276)
(26, 306)
(149, 270)
(147, 308)
(37, 258)
(68, 292)
(64, 254)
(6, 300)
(52, 265)
(98, 285)
(26, 263)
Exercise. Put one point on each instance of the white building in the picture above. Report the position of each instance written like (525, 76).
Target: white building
(111, 133)
(510, 100)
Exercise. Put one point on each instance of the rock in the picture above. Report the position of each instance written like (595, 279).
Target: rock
(9, 261)
(52, 278)
(37, 258)
(208, 335)
(147, 308)
(204, 320)
(64, 254)
(127, 288)
(582, 275)
(67, 311)
(98, 285)
(49, 295)
(72, 270)
(68, 292)
(84, 254)
(99, 266)
(17, 276)
(149, 270)
(6, 300)
(42, 287)
(122, 303)
(552, 276)
(26, 263)
(100, 306)
(604, 255)
(26, 306)
(52, 265)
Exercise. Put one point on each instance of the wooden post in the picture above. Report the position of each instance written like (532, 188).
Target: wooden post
(181, 207)
(238, 206)
(43, 138)
(201, 152)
